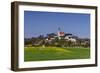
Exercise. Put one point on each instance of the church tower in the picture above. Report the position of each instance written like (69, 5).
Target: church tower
(60, 33)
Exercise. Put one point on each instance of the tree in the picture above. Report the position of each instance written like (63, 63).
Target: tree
(27, 41)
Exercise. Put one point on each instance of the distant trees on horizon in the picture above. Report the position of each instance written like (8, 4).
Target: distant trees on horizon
(42, 40)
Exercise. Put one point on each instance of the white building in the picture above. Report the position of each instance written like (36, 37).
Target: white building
(62, 35)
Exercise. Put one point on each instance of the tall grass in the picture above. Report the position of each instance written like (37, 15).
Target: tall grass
(55, 53)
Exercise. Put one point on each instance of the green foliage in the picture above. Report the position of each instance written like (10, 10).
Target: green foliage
(56, 42)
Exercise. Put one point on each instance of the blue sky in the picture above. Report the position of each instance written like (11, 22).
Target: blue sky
(41, 23)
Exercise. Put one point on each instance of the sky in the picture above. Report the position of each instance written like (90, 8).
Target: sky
(41, 23)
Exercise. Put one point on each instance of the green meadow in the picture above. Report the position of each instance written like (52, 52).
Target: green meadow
(55, 53)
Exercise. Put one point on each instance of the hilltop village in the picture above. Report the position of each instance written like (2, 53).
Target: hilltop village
(58, 39)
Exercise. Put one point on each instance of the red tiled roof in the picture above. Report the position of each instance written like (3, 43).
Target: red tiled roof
(62, 33)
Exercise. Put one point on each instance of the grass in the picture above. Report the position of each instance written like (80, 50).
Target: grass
(55, 53)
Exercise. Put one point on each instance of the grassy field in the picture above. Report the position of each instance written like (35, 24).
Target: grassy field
(55, 53)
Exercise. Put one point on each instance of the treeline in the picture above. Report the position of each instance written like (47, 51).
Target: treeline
(41, 41)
